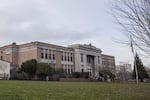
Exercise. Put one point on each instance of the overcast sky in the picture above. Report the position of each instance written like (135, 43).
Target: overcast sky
(62, 22)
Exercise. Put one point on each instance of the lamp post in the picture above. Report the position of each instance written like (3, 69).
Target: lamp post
(136, 72)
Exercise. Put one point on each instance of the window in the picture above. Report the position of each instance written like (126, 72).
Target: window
(90, 59)
(42, 55)
(90, 73)
(68, 58)
(71, 58)
(46, 56)
(53, 56)
(65, 58)
(82, 70)
(62, 58)
(81, 57)
(1, 57)
(50, 56)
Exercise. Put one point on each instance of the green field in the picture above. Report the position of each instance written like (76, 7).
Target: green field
(36, 90)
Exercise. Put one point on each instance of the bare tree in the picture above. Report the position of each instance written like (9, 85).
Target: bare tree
(134, 18)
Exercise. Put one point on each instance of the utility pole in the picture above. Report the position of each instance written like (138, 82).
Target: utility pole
(136, 72)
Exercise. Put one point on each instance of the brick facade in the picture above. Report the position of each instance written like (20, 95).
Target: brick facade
(67, 58)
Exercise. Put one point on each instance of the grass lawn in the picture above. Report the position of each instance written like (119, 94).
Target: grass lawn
(36, 90)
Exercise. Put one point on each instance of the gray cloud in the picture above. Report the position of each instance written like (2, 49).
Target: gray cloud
(32, 20)
(62, 22)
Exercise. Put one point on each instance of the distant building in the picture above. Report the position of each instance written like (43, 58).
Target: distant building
(75, 58)
(4, 69)
(123, 71)
(108, 63)
(125, 67)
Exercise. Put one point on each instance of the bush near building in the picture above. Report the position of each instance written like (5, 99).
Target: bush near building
(43, 70)
(31, 70)
(80, 75)
(105, 75)
(29, 67)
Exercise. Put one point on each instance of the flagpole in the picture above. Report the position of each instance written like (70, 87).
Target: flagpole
(136, 72)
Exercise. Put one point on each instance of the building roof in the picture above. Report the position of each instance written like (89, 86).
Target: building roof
(104, 55)
(89, 47)
(36, 43)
